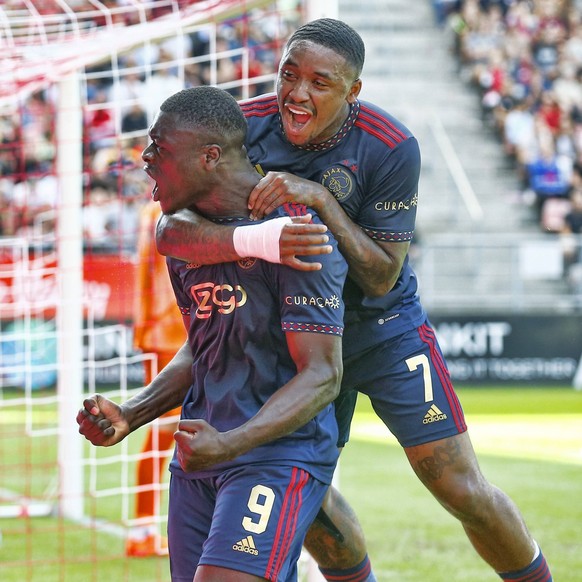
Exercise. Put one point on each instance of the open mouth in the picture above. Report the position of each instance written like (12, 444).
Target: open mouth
(296, 119)
(300, 116)
(154, 194)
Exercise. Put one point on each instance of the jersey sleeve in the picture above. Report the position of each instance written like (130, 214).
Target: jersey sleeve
(388, 213)
(311, 301)
(183, 300)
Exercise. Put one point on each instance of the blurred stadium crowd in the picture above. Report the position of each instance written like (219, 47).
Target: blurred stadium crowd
(121, 96)
(524, 58)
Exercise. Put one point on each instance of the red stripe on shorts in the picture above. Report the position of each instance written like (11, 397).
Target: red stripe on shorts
(287, 522)
(427, 335)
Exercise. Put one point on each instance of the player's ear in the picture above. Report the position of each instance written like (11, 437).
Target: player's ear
(211, 154)
(354, 91)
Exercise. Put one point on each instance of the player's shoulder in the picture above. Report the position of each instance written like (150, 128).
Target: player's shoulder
(290, 209)
(260, 106)
(377, 123)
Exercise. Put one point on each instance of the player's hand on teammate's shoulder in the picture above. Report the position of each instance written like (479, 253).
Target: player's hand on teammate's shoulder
(277, 188)
(199, 445)
(101, 421)
(303, 238)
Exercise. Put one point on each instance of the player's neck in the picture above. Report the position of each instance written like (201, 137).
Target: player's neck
(230, 197)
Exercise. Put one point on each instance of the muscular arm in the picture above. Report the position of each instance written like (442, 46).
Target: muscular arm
(374, 266)
(190, 237)
(105, 423)
(319, 370)
(166, 391)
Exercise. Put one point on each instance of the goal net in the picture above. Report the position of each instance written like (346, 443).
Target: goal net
(80, 81)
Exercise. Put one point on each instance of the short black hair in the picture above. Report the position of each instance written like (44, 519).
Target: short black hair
(212, 110)
(335, 35)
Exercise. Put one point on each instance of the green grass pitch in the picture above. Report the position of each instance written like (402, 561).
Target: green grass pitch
(528, 441)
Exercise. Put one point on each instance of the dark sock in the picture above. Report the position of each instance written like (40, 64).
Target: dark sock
(360, 573)
(537, 571)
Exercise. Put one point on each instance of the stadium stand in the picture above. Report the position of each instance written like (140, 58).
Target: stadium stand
(478, 218)
(525, 60)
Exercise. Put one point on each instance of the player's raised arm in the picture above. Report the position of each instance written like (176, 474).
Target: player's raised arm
(188, 236)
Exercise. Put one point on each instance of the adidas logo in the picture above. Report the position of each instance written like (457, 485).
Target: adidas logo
(433, 415)
(246, 545)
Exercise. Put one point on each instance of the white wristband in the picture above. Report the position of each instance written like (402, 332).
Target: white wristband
(260, 240)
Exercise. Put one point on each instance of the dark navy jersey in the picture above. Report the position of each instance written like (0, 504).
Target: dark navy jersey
(239, 314)
(372, 167)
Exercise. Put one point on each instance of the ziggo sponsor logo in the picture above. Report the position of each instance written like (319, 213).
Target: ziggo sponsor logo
(225, 298)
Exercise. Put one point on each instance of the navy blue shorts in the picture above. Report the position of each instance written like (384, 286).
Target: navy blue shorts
(409, 386)
(251, 519)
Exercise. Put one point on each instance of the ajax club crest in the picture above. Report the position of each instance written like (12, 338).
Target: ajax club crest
(339, 180)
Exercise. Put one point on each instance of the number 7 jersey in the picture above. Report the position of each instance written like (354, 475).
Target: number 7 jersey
(372, 168)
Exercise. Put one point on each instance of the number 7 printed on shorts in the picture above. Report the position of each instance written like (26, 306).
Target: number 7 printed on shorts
(413, 364)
